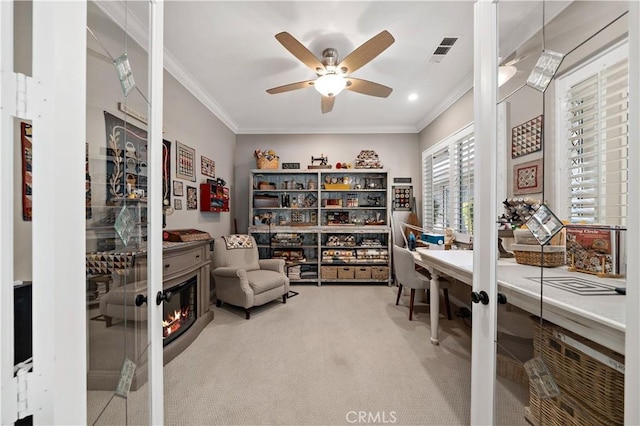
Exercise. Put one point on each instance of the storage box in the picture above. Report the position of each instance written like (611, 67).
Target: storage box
(329, 272)
(363, 272)
(380, 272)
(346, 272)
(598, 250)
(432, 238)
(265, 201)
(590, 376)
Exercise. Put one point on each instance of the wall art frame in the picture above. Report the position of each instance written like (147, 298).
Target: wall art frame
(526, 138)
(527, 177)
(192, 198)
(207, 166)
(185, 162)
(402, 198)
(177, 204)
(178, 188)
(127, 160)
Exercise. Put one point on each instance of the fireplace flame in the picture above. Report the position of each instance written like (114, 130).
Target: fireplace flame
(173, 323)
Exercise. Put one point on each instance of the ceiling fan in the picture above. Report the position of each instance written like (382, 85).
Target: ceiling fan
(333, 77)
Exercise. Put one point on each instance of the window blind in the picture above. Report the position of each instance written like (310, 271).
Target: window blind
(448, 183)
(596, 110)
(436, 196)
(463, 164)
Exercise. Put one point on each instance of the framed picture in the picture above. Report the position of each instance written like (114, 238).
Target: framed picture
(178, 188)
(402, 196)
(526, 137)
(192, 198)
(177, 204)
(207, 166)
(527, 177)
(185, 162)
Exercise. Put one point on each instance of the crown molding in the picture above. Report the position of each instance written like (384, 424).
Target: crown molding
(137, 30)
(325, 130)
(460, 90)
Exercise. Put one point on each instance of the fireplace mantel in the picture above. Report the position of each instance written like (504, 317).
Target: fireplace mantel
(122, 325)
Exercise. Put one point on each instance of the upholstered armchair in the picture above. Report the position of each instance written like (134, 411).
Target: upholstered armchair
(242, 278)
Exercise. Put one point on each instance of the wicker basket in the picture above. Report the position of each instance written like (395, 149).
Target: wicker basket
(363, 273)
(328, 272)
(533, 255)
(563, 410)
(597, 387)
(346, 272)
(511, 369)
(263, 163)
(380, 272)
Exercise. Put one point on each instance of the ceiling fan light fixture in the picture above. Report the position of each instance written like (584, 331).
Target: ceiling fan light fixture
(505, 73)
(330, 84)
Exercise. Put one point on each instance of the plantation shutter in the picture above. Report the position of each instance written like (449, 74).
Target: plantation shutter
(463, 160)
(597, 147)
(436, 189)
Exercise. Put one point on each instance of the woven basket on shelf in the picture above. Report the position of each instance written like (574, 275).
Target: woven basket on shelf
(263, 163)
(533, 255)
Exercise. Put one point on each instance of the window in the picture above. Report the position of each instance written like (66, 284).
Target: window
(592, 133)
(448, 183)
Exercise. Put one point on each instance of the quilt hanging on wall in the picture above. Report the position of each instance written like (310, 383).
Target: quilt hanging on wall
(27, 161)
(127, 167)
(27, 178)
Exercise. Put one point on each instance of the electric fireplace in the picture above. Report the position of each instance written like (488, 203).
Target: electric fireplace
(179, 313)
(186, 274)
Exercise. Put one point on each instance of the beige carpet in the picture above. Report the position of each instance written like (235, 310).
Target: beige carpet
(321, 359)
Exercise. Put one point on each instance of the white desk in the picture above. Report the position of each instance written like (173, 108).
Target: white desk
(597, 318)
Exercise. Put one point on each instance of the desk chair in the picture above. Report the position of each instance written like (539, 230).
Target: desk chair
(406, 274)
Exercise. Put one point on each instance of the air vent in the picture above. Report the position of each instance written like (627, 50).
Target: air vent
(448, 41)
(443, 48)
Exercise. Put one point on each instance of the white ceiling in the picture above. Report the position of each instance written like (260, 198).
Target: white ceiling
(226, 54)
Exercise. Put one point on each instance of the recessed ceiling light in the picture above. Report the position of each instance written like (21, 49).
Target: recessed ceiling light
(413, 97)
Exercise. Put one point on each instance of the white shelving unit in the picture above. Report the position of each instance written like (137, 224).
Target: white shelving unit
(332, 226)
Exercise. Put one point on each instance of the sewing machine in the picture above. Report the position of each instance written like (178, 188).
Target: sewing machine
(322, 160)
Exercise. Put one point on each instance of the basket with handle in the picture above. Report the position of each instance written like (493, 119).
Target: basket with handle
(263, 163)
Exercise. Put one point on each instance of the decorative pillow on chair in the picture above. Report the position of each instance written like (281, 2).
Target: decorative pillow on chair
(237, 241)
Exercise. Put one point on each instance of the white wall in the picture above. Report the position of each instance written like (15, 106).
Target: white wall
(398, 153)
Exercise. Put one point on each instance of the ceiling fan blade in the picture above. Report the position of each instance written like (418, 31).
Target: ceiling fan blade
(366, 52)
(290, 87)
(367, 87)
(298, 50)
(327, 103)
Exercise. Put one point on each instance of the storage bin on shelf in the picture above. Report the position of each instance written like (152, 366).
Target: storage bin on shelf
(535, 255)
(592, 389)
(329, 272)
(363, 272)
(346, 272)
(380, 272)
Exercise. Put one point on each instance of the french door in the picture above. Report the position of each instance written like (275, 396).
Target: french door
(44, 210)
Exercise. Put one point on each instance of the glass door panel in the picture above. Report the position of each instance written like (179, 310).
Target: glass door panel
(565, 147)
(118, 217)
